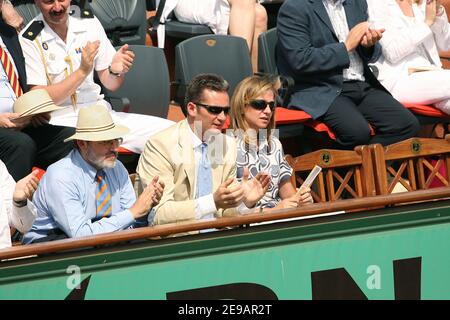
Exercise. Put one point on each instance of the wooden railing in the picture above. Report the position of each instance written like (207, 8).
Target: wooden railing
(170, 229)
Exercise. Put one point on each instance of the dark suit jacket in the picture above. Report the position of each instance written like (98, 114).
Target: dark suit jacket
(309, 51)
(9, 37)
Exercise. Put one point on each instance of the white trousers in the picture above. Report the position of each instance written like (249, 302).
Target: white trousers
(142, 127)
(214, 13)
(427, 87)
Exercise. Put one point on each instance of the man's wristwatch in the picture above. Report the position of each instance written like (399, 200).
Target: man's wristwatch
(114, 73)
(20, 204)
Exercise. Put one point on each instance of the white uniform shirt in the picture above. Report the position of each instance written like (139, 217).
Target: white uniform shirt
(56, 53)
(20, 218)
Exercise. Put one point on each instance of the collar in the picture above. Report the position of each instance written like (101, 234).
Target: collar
(75, 26)
(335, 2)
(196, 142)
(2, 44)
(84, 165)
(263, 144)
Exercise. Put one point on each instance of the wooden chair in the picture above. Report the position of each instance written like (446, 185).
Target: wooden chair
(349, 171)
(414, 163)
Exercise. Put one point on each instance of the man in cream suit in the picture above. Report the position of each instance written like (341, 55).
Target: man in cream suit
(177, 156)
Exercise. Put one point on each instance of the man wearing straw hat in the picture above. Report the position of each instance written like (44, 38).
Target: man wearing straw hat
(63, 50)
(30, 141)
(89, 192)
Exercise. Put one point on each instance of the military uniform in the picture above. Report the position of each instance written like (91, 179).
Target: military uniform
(50, 60)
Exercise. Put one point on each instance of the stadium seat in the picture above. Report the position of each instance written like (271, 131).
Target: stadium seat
(220, 54)
(267, 42)
(123, 21)
(175, 28)
(416, 164)
(146, 89)
(27, 9)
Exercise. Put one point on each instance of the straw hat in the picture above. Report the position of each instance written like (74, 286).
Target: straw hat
(34, 102)
(95, 124)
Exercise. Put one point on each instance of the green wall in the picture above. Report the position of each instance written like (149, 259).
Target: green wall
(279, 257)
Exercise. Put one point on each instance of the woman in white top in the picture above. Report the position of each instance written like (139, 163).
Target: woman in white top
(410, 67)
(244, 18)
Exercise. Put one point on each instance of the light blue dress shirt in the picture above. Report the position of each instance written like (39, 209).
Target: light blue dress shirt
(65, 199)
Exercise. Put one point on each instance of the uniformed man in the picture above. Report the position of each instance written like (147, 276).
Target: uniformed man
(30, 141)
(62, 50)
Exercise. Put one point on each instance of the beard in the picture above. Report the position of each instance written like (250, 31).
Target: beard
(101, 162)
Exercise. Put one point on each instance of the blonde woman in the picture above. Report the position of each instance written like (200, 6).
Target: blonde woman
(410, 67)
(252, 118)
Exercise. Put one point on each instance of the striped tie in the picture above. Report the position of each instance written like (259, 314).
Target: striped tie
(9, 70)
(102, 196)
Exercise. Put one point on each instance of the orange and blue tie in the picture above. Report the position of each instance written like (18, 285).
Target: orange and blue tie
(10, 73)
(102, 197)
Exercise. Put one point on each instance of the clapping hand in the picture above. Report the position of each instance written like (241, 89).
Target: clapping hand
(355, 36)
(123, 60)
(371, 37)
(148, 198)
(255, 188)
(158, 190)
(228, 195)
(88, 55)
(431, 10)
(26, 187)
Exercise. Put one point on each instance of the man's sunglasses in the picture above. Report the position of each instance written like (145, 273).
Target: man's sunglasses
(262, 104)
(214, 109)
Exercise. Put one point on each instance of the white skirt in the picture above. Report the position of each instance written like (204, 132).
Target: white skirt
(142, 127)
(213, 13)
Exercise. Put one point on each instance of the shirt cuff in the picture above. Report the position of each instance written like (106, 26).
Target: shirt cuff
(440, 24)
(243, 209)
(205, 206)
(25, 217)
(419, 31)
(125, 218)
(151, 216)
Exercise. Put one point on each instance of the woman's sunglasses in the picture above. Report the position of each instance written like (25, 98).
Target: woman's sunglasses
(214, 109)
(262, 104)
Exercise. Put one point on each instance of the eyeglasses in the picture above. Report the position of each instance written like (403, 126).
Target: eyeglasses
(216, 110)
(107, 143)
(260, 104)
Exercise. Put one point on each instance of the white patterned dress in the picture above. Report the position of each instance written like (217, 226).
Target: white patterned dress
(264, 159)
